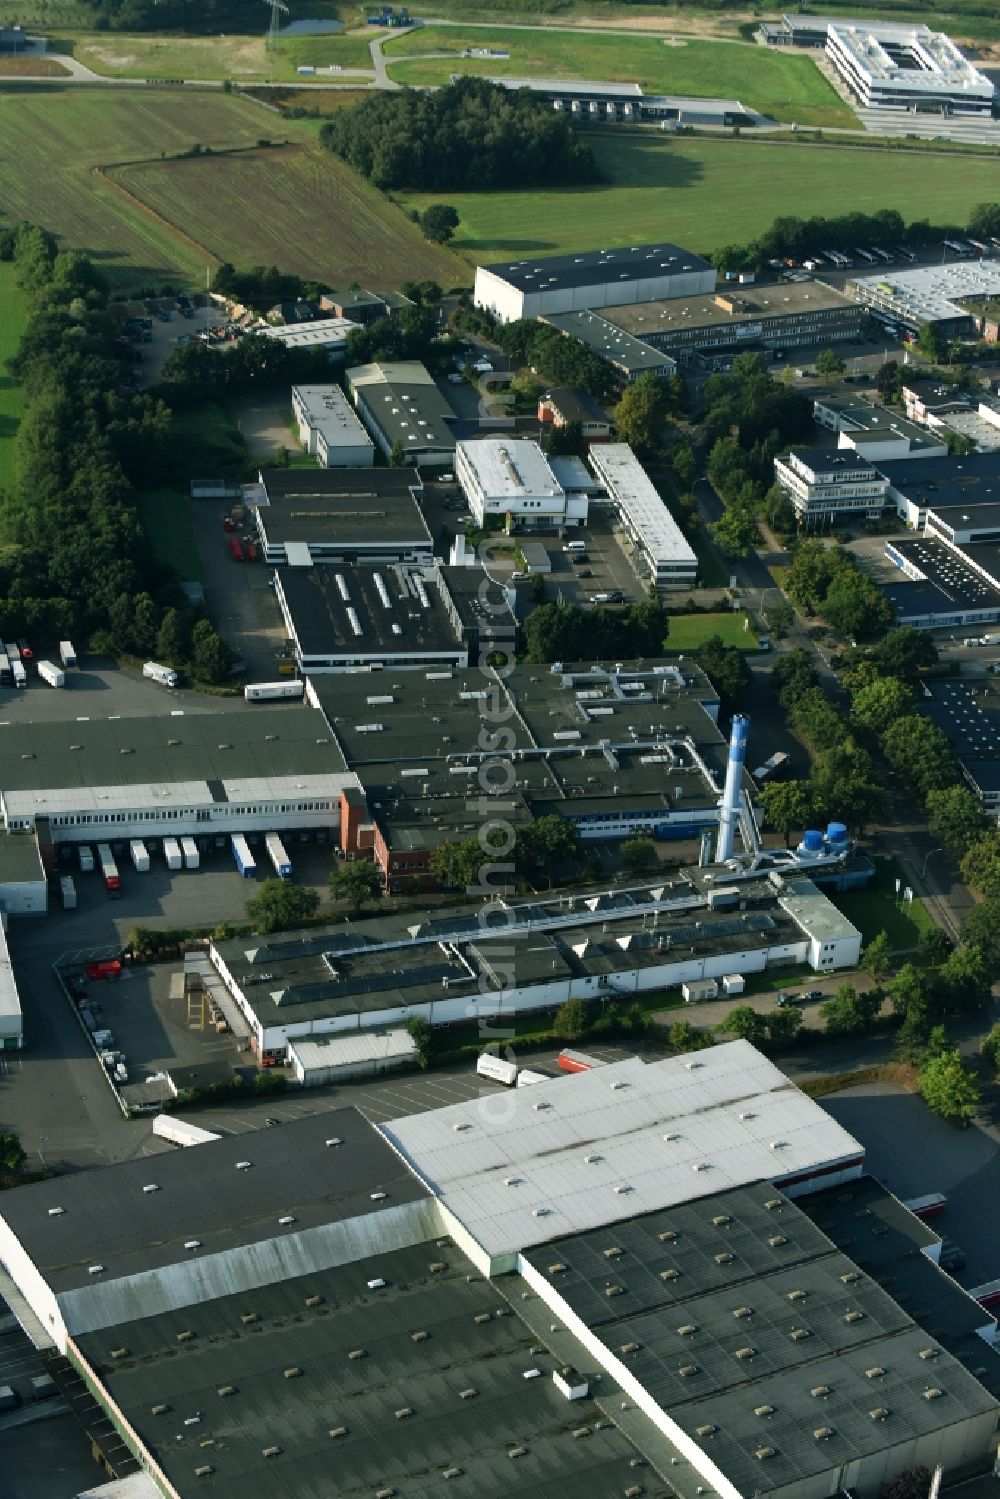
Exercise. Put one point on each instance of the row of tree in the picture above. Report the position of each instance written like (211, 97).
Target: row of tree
(471, 135)
(565, 632)
(558, 359)
(827, 580)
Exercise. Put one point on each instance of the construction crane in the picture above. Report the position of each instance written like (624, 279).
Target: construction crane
(272, 30)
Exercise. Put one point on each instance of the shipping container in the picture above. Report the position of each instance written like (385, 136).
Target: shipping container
(85, 855)
(165, 675)
(497, 1069)
(699, 990)
(577, 1061)
(260, 692)
(179, 1132)
(529, 1076)
(67, 654)
(109, 870)
(140, 855)
(172, 853)
(244, 858)
(189, 848)
(54, 675)
(20, 675)
(67, 892)
(280, 861)
(106, 968)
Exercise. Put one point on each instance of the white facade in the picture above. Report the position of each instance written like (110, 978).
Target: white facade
(907, 68)
(604, 278)
(316, 1063)
(510, 476)
(329, 429)
(668, 558)
(11, 1019)
(824, 484)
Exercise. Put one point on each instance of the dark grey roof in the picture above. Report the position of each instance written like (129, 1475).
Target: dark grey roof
(575, 405)
(350, 506)
(949, 570)
(971, 723)
(593, 267)
(976, 514)
(19, 858)
(969, 480)
(911, 600)
(108, 1219)
(322, 626)
(472, 1341)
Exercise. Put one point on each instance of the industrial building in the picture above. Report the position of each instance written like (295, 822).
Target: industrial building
(339, 1059)
(949, 587)
(874, 432)
(356, 618)
(627, 356)
(584, 99)
(329, 430)
(960, 484)
(661, 552)
(935, 294)
(707, 329)
(510, 478)
(330, 334)
(907, 68)
(404, 411)
(371, 515)
(530, 288)
(563, 406)
(969, 713)
(479, 1295)
(363, 306)
(822, 484)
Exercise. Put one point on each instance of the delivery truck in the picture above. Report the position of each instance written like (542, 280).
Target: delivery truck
(140, 855)
(244, 858)
(179, 1132)
(67, 654)
(165, 675)
(265, 692)
(189, 849)
(172, 853)
(109, 870)
(577, 1061)
(280, 862)
(54, 675)
(497, 1068)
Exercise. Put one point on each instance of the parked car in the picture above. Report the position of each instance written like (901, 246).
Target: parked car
(814, 994)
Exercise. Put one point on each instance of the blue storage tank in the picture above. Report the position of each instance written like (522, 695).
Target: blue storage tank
(812, 841)
(836, 834)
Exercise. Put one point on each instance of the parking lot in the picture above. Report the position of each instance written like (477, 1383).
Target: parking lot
(100, 688)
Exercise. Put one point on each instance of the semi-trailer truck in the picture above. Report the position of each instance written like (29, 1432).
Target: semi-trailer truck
(261, 692)
(19, 673)
(165, 675)
(54, 675)
(109, 870)
(497, 1068)
(244, 858)
(280, 861)
(140, 855)
(189, 849)
(577, 1061)
(67, 654)
(179, 1132)
(172, 853)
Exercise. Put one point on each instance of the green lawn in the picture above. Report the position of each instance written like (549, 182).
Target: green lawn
(689, 631)
(788, 86)
(165, 515)
(245, 59)
(706, 193)
(876, 908)
(13, 314)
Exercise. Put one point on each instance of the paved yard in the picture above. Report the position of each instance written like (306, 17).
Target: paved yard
(99, 688)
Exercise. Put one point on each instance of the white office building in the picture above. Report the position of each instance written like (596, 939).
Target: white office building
(907, 68)
(512, 477)
(329, 429)
(824, 484)
(598, 278)
(661, 548)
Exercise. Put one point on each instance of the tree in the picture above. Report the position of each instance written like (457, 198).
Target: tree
(981, 867)
(981, 925)
(572, 1020)
(779, 616)
(949, 1088)
(423, 1039)
(955, 817)
(743, 1023)
(12, 1153)
(990, 1048)
(783, 1025)
(932, 342)
(905, 653)
(934, 946)
(854, 606)
(641, 413)
(439, 222)
(909, 987)
(921, 752)
(887, 379)
(356, 881)
(212, 660)
(908, 1483)
(876, 958)
(550, 841)
(829, 364)
(963, 980)
(849, 1013)
(726, 667)
(458, 864)
(173, 638)
(879, 704)
(792, 674)
(638, 854)
(735, 532)
(397, 455)
(683, 1036)
(280, 907)
(913, 1033)
(789, 806)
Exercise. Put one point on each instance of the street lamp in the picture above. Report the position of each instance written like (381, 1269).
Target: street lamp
(923, 872)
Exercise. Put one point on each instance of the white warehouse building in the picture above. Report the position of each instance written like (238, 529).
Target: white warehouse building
(663, 552)
(329, 429)
(512, 476)
(907, 68)
(599, 278)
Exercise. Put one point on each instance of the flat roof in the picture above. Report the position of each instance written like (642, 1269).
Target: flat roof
(363, 611)
(872, 423)
(342, 506)
(344, 1051)
(630, 486)
(330, 332)
(750, 304)
(517, 1176)
(843, 462)
(610, 342)
(509, 468)
(405, 403)
(444, 1347)
(292, 1171)
(975, 516)
(973, 479)
(948, 571)
(969, 713)
(931, 293)
(595, 267)
(932, 60)
(328, 411)
(20, 861)
(575, 405)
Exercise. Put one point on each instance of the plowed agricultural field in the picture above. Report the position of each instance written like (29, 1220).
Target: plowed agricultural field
(293, 206)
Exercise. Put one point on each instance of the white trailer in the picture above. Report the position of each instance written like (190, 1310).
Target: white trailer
(179, 1132)
(165, 675)
(189, 848)
(140, 855)
(280, 861)
(67, 654)
(172, 853)
(528, 1077)
(261, 692)
(85, 854)
(496, 1068)
(67, 891)
(54, 675)
(20, 675)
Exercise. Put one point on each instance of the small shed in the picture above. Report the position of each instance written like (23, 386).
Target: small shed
(321, 1060)
(535, 558)
(733, 983)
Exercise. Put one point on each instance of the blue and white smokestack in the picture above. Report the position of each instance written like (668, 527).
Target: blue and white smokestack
(729, 807)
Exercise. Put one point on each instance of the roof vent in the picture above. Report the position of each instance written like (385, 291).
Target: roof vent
(779, 1145)
(516, 1451)
(820, 1391)
(743, 1312)
(933, 1393)
(614, 1290)
(670, 1274)
(185, 1335)
(541, 1212)
(745, 1353)
(926, 1353)
(593, 1160)
(436, 1266)
(541, 1104)
(776, 1240)
(692, 1065)
(377, 1196)
(338, 1431)
(513, 1181)
(764, 1452)
(798, 1333)
(469, 1394)
(386, 1493)
(721, 1219)
(204, 1470)
(688, 1329)
(763, 1410)
(270, 1452)
(875, 1372)
(286, 1219)
(334, 1141)
(773, 1204)
(243, 1165)
(226, 1389)
(453, 1472)
(686, 1371)
(557, 1268)
(159, 1410)
(673, 1135)
(293, 1372)
(247, 1317)
(151, 1187)
(701, 1166)
(314, 1301)
(378, 1284)
(850, 1277)
(797, 1295)
(56, 1212)
(95, 1269)
(481, 1317)
(404, 1413)
(463, 1124)
(615, 1252)
(880, 1413)
(622, 1189)
(854, 1316)
(823, 1433)
(724, 1258)
(192, 1243)
(420, 1336)
(667, 1236)
(630, 1347)
(119, 1353)
(706, 1431)
(357, 1353)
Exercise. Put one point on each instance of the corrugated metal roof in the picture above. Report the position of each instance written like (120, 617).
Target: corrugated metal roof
(629, 1138)
(342, 1051)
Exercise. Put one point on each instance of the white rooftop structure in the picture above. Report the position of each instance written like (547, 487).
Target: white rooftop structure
(669, 558)
(352, 1051)
(329, 428)
(907, 67)
(329, 333)
(512, 476)
(577, 1152)
(928, 294)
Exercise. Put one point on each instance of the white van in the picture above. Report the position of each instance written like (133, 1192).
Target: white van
(575, 546)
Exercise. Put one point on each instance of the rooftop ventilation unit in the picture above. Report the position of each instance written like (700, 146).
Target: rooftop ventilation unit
(192, 1243)
(56, 1212)
(763, 1410)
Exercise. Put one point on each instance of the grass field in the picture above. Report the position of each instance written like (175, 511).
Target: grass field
(321, 219)
(689, 631)
(32, 67)
(242, 58)
(876, 909)
(13, 312)
(706, 193)
(788, 86)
